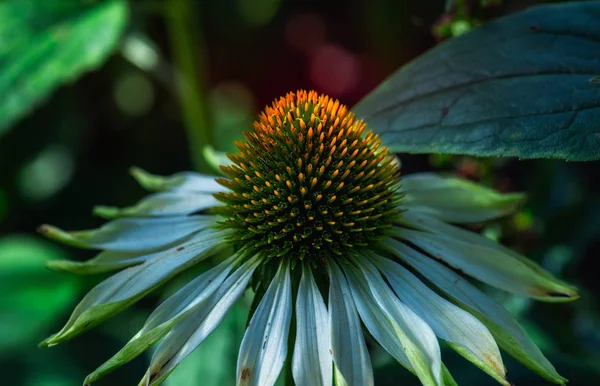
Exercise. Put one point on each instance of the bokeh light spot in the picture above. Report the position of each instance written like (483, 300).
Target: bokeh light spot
(232, 110)
(523, 220)
(305, 33)
(492, 231)
(134, 94)
(334, 70)
(558, 257)
(460, 27)
(257, 12)
(141, 52)
(46, 174)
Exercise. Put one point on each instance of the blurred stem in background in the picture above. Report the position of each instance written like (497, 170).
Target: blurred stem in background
(185, 35)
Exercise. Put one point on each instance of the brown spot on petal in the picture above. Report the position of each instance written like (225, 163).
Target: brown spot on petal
(153, 377)
(246, 374)
(535, 291)
(153, 373)
(541, 292)
(493, 363)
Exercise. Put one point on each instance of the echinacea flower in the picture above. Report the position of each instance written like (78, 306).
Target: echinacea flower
(314, 212)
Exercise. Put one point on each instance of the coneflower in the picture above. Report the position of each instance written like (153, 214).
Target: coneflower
(313, 213)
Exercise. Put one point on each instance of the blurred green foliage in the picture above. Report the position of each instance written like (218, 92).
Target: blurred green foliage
(46, 43)
(73, 151)
(32, 296)
(32, 299)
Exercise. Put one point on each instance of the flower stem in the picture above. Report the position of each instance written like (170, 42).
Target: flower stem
(187, 47)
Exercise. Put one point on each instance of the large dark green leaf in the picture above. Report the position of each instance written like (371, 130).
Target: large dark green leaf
(46, 43)
(518, 86)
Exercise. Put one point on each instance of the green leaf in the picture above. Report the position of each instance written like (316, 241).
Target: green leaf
(32, 296)
(46, 43)
(518, 86)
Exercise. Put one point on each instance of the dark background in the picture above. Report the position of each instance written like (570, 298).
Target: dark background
(74, 151)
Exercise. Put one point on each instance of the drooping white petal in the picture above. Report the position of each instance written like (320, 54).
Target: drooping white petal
(193, 295)
(188, 181)
(349, 351)
(382, 327)
(379, 324)
(196, 326)
(127, 286)
(173, 203)
(311, 362)
(132, 234)
(506, 330)
(264, 347)
(455, 200)
(462, 330)
(484, 259)
(106, 261)
(419, 341)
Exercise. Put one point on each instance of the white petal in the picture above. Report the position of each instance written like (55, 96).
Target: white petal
(447, 320)
(196, 326)
(264, 347)
(188, 181)
(126, 287)
(311, 363)
(107, 261)
(379, 324)
(133, 234)
(194, 182)
(506, 330)
(455, 200)
(350, 354)
(419, 341)
(193, 295)
(173, 203)
(484, 259)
